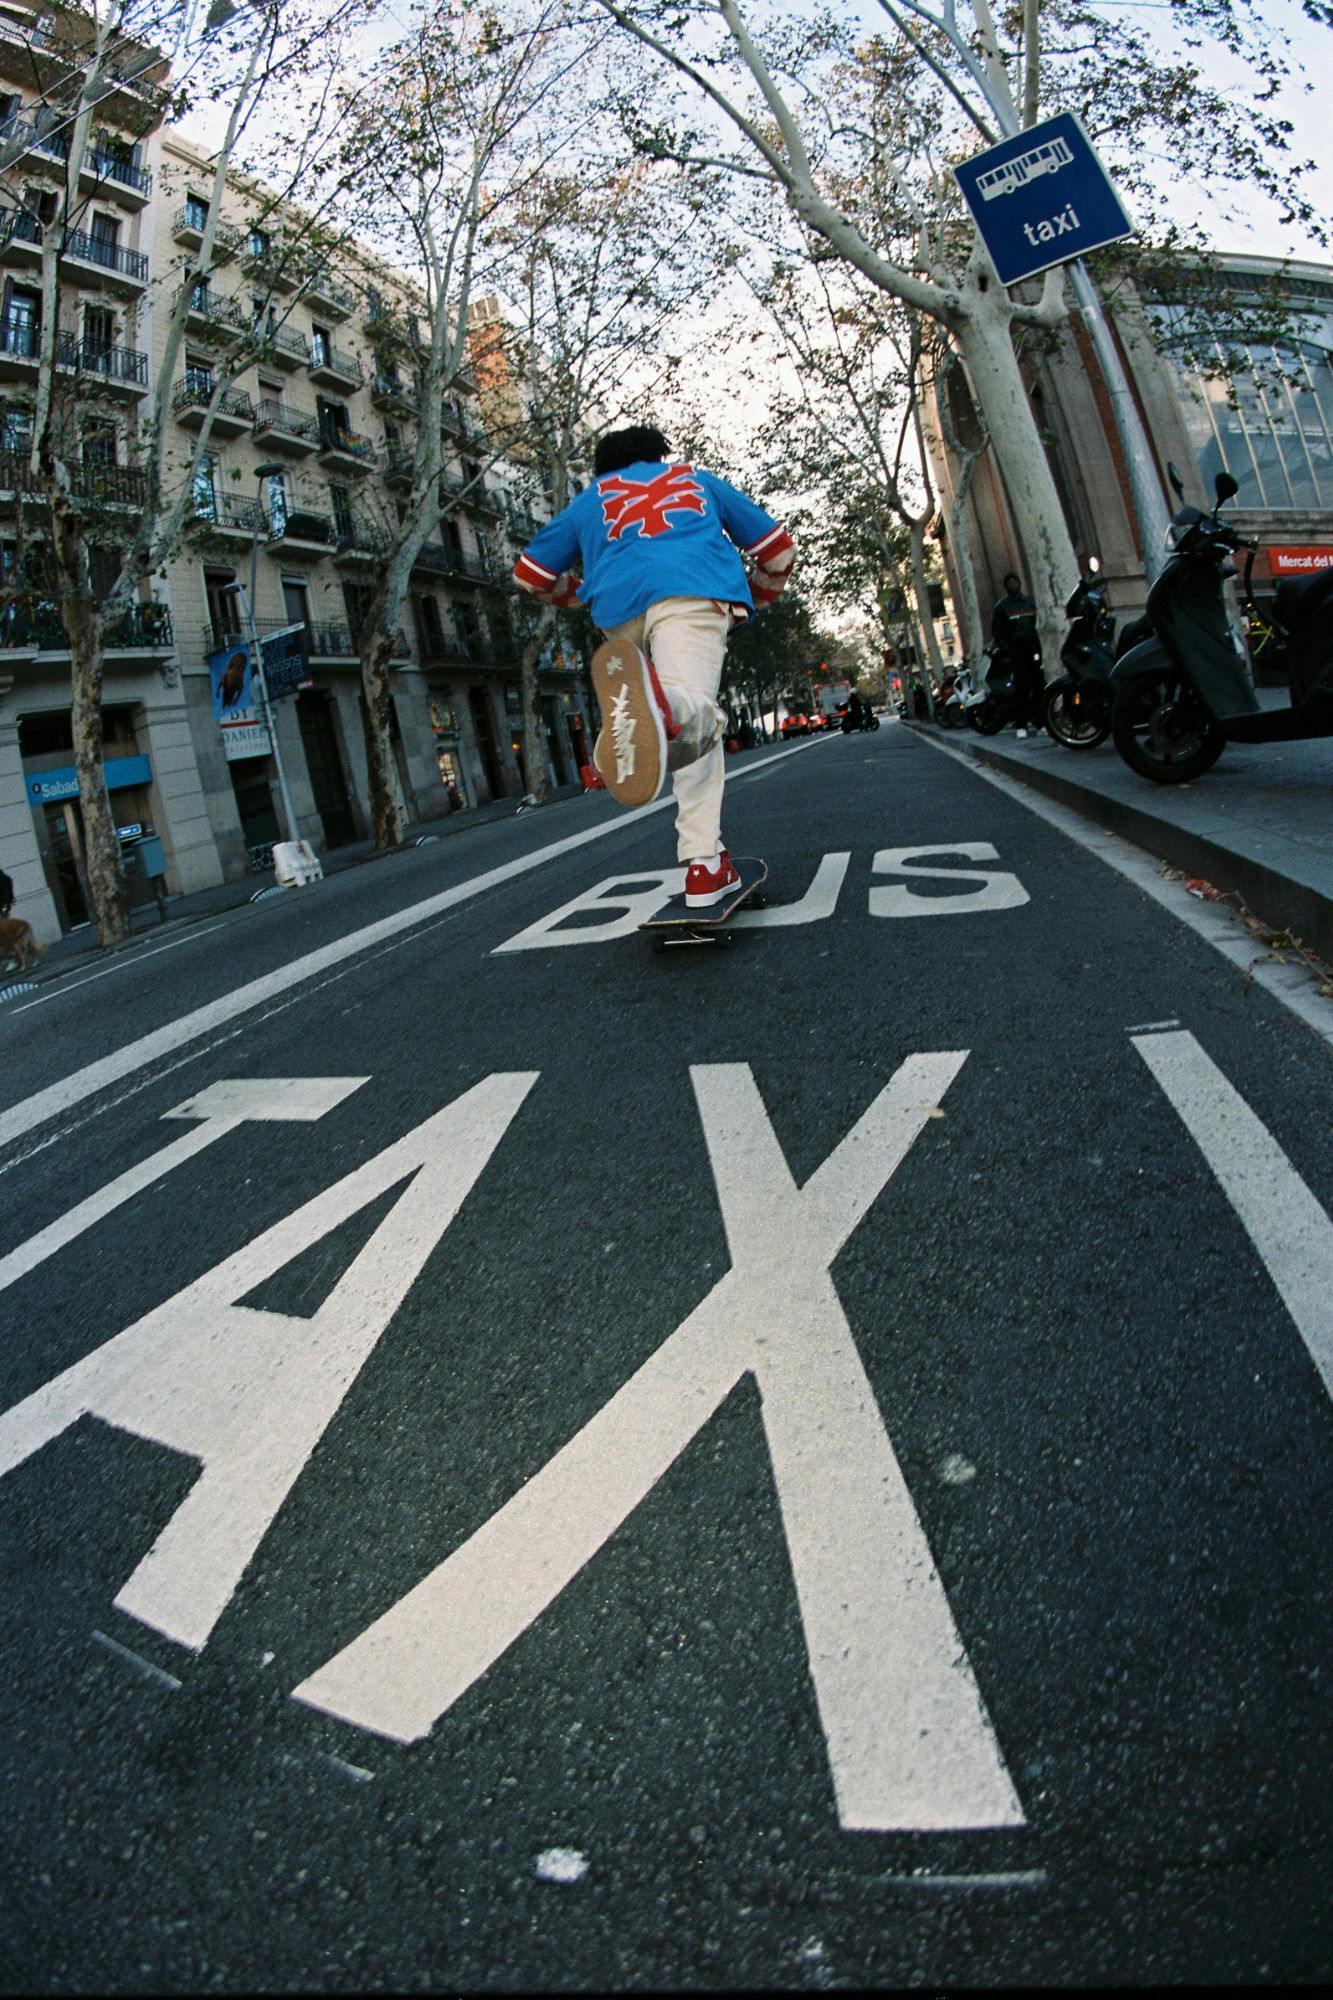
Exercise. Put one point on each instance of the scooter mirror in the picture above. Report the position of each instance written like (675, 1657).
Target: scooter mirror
(1224, 486)
(1176, 480)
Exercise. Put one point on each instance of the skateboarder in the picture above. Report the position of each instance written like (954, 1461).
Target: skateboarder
(653, 547)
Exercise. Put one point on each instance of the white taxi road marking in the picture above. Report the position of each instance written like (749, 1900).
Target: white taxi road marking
(19, 1119)
(248, 1392)
(221, 1108)
(910, 1744)
(1283, 1220)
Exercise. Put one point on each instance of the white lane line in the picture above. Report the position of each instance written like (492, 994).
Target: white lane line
(81, 1083)
(1152, 1027)
(222, 1107)
(1282, 1218)
(141, 1666)
(1290, 984)
(122, 965)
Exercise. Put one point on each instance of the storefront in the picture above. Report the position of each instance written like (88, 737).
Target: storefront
(448, 752)
(54, 796)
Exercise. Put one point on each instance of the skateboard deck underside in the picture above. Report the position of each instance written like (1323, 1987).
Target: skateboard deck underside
(677, 924)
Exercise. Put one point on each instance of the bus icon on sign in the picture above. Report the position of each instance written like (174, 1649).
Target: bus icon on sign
(1024, 167)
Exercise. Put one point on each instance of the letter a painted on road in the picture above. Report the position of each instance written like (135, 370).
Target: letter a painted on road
(909, 1742)
(247, 1392)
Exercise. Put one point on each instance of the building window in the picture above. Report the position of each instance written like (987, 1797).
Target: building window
(257, 243)
(205, 490)
(1268, 423)
(277, 501)
(196, 211)
(224, 606)
(319, 345)
(16, 428)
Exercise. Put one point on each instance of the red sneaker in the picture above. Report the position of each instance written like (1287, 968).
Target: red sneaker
(705, 885)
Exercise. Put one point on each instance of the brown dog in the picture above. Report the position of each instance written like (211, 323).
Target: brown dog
(18, 940)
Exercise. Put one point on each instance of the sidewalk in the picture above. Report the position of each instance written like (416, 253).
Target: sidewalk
(1260, 822)
(80, 946)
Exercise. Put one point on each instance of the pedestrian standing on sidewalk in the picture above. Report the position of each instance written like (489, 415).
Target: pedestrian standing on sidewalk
(654, 548)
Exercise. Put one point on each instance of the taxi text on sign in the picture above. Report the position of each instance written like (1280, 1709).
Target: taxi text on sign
(1042, 199)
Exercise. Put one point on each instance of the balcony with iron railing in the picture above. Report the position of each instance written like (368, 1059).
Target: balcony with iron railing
(445, 561)
(324, 290)
(230, 513)
(387, 392)
(102, 485)
(82, 247)
(301, 528)
(209, 313)
(117, 367)
(347, 450)
(232, 413)
(20, 233)
(188, 226)
(328, 363)
(284, 345)
(35, 627)
(360, 540)
(38, 53)
(282, 427)
(117, 174)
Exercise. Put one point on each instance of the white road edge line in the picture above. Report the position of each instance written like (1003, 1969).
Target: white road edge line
(20, 1118)
(1283, 1220)
(1289, 984)
(122, 965)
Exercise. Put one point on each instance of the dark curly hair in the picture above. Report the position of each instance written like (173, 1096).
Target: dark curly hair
(641, 442)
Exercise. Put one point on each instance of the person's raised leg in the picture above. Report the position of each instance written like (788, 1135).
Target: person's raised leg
(631, 747)
(688, 640)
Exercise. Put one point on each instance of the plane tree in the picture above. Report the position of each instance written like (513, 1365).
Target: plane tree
(853, 135)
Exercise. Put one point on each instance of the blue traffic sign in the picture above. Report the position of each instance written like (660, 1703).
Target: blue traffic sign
(1042, 199)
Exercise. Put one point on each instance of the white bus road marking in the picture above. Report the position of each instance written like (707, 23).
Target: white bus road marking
(819, 900)
(999, 889)
(1283, 1220)
(221, 1108)
(630, 900)
(909, 1742)
(19, 1119)
(249, 1393)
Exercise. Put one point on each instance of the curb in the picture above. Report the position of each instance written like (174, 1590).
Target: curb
(1284, 904)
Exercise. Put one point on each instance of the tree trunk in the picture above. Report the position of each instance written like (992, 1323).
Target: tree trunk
(536, 783)
(921, 591)
(377, 643)
(101, 847)
(985, 341)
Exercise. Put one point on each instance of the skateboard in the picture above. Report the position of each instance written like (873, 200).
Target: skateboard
(678, 925)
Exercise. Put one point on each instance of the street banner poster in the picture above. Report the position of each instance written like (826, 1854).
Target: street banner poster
(1299, 561)
(236, 700)
(1042, 198)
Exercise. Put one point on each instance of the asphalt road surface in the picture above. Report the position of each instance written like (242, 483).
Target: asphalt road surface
(530, 1463)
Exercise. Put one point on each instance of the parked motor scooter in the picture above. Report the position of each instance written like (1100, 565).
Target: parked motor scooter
(1076, 709)
(1186, 692)
(1005, 700)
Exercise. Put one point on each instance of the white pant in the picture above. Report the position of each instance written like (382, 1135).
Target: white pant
(686, 640)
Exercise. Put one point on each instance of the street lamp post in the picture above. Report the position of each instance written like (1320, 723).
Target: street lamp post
(263, 472)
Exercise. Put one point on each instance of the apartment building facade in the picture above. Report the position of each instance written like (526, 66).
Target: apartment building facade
(311, 446)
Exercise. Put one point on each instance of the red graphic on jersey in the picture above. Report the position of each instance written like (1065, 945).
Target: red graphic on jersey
(645, 503)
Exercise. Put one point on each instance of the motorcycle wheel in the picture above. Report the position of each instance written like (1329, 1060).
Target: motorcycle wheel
(873, 723)
(1082, 723)
(987, 718)
(1163, 731)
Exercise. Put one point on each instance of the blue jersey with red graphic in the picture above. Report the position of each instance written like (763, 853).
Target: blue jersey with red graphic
(648, 532)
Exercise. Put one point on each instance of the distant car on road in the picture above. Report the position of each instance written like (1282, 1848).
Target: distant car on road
(796, 725)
